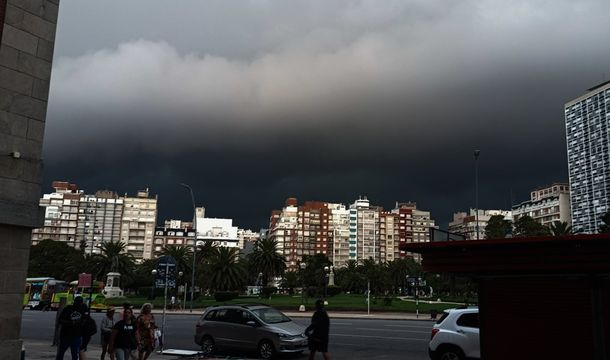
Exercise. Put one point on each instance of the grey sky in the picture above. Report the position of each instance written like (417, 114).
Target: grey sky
(319, 99)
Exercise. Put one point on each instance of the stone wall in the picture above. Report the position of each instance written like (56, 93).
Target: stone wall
(27, 35)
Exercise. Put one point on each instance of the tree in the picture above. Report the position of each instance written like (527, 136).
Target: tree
(182, 254)
(497, 227)
(560, 228)
(398, 271)
(525, 226)
(349, 279)
(290, 281)
(113, 258)
(53, 258)
(605, 227)
(266, 260)
(224, 271)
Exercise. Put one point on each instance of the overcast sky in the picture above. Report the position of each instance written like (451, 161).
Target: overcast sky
(251, 102)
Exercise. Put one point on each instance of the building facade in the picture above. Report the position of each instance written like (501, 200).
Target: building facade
(138, 224)
(588, 146)
(546, 205)
(173, 236)
(27, 36)
(465, 223)
(220, 232)
(60, 215)
(413, 226)
(364, 231)
(99, 220)
(340, 226)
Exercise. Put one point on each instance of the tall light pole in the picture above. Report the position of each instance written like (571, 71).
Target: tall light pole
(195, 245)
(476, 189)
(303, 266)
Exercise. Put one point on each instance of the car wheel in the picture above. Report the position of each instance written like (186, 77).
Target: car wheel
(208, 347)
(451, 353)
(266, 349)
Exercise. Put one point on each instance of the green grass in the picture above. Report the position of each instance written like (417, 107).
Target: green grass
(341, 302)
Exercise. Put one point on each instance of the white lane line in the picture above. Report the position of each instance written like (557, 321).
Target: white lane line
(380, 337)
(410, 326)
(394, 330)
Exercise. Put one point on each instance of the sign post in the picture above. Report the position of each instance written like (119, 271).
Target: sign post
(166, 277)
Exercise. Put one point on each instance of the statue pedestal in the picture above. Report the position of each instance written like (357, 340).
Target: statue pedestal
(112, 289)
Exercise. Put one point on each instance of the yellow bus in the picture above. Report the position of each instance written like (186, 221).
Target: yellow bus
(40, 291)
(98, 302)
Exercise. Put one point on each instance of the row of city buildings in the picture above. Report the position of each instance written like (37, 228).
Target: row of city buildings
(87, 221)
(354, 232)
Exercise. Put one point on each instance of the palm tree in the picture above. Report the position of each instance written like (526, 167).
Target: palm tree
(113, 258)
(605, 227)
(224, 271)
(560, 228)
(266, 260)
(182, 255)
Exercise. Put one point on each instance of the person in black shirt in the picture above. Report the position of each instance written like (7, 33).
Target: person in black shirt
(72, 320)
(318, 332)
(123, 338)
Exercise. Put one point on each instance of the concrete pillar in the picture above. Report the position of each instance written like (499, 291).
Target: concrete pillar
(27, 36)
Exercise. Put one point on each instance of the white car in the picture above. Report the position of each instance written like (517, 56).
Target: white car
(455, 336)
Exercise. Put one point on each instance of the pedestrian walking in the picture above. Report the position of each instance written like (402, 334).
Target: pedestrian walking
(72, 321)
(145, 334)
(89, 329)
(123, 340)
(105, 331)
(60, 309)
(318, 331)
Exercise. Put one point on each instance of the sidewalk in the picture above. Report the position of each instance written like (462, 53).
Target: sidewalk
(42, 350)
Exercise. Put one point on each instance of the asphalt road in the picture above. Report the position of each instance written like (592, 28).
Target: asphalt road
(349, 338)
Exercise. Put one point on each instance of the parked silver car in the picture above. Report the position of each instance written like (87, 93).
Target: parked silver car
(257, 328)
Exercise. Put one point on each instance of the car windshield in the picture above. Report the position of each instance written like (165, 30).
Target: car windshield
(270, 316)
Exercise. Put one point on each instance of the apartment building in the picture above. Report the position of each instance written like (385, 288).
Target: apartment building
(413, 226)
(61, 211)
(465, 223)
(389, 236)
(176, 234)
(245, 236)
(138, 224)
(588, 149)
(364, 231)
(220, 232)
(546, 205)
(340, 227)
(99, 220)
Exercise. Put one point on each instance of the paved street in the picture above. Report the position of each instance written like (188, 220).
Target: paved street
(350, 338)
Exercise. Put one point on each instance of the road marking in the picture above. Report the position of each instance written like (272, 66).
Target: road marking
(341, 323)
(410, 326)
(411, 331)
(380, 337)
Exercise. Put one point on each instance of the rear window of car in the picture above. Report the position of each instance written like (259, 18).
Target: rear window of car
(442, 318)
(468, 320)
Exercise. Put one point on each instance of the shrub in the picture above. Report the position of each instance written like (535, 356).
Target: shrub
(222, 296)
(267, 291)
(387, 301)
(333, 290)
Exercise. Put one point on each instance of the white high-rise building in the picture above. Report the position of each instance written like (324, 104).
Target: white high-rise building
(588, 141)
(364, 231)
(339, 223)
(138, 224)
(99, 220)
(61, 215)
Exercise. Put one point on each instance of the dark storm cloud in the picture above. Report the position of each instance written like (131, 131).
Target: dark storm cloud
(321, 100)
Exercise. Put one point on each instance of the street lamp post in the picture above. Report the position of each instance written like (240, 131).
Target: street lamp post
(152, 289)
(303, 266)
(326, 274)
(180, 273)
(476, 189)
(195, 245)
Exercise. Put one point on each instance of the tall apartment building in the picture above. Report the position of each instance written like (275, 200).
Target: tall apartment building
(364, 231)
(413, 226)
(389, 235)
(546, 205)
(99, 220)
(465, 223)
(588, 146)
(61, 211)
(27, 36)
(302, 230)
(339, 224)
(245, 236)
(138, 224)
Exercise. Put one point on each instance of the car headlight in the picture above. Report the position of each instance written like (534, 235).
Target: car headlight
(285, 336)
